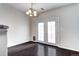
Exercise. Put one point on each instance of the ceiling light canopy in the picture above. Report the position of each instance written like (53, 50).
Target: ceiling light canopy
(31, 12)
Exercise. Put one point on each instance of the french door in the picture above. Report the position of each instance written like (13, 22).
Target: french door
(51, 32)
(46, 32)
(41, 31)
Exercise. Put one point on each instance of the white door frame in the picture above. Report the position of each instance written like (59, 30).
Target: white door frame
(56, 19)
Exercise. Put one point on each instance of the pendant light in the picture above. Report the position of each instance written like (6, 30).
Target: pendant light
(31, 12)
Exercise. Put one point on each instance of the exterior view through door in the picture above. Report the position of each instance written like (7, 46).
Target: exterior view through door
(50, 25)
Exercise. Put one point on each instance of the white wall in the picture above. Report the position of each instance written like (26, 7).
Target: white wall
(68, 25)
(18, 23)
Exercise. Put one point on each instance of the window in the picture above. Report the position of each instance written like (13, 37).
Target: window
(41, 31)
(51, 32)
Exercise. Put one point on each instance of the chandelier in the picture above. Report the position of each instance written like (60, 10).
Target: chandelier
(31, 12)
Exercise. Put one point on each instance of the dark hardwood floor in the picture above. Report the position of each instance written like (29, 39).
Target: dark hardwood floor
(38, 49)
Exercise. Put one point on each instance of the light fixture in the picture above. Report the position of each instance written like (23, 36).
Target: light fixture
(31, 12)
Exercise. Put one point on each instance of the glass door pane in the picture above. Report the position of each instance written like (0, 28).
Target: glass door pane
(41, 31)
(51, 32)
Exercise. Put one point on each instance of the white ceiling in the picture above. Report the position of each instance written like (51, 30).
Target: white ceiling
(37, 6)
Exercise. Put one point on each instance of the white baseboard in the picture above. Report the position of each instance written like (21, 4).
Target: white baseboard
(59, 46)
